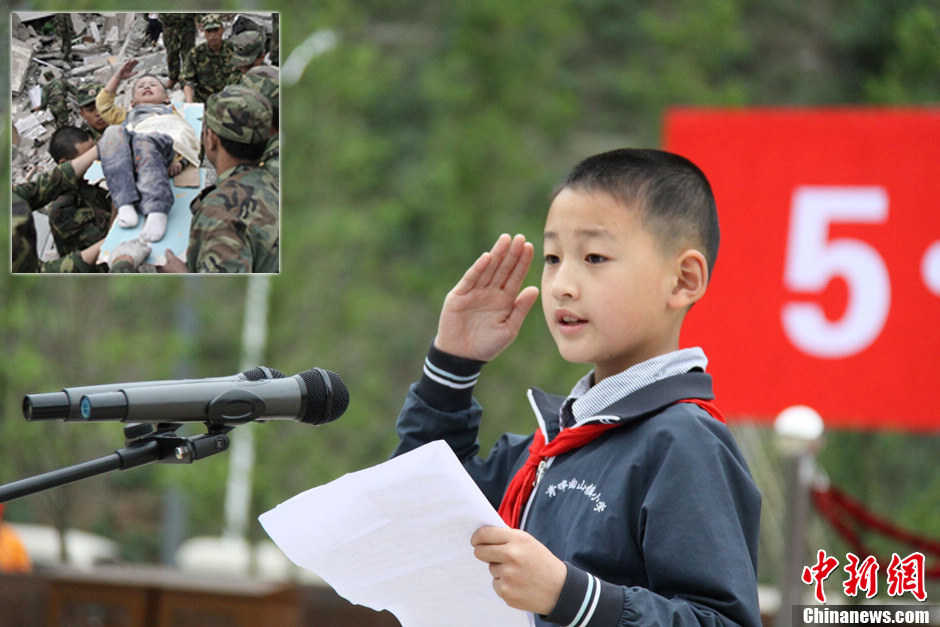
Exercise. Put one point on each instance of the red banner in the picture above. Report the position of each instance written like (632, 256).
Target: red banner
(827, 287)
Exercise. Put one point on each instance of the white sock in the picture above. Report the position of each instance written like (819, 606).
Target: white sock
(154, 227)
(127, 216)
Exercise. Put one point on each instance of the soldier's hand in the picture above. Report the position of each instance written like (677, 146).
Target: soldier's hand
(173, 264)
(175, 168)
(134, 250)
(90, 255)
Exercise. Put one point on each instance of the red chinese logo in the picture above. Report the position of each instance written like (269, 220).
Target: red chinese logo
(906, 575)
(903, 575)
(819, 572)
(862, 576)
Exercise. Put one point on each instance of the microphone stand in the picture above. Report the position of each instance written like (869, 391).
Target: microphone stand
(144, 443)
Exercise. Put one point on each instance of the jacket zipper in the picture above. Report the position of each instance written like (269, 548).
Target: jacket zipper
(539, 473)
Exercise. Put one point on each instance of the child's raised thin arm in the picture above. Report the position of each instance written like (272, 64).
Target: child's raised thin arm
(123, 73)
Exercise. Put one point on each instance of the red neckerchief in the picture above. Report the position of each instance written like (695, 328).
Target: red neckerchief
(520, 488)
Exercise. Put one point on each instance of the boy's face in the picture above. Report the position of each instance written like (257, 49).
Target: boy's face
(605, 284)
(148, 90)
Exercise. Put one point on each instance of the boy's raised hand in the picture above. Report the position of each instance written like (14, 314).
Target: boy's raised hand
(482, 315)
(124, 72)
(127, 69)
(526, 575)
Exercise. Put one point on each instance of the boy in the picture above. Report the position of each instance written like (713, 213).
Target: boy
(640, 509)
(142, 140)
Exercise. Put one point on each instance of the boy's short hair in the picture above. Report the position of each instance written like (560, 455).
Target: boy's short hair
(62, 145)
(672, 194)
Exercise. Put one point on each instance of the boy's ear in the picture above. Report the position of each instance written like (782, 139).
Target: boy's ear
(691, 279)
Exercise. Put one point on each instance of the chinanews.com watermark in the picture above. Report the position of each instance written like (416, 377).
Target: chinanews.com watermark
(866, 615)
(904, 576)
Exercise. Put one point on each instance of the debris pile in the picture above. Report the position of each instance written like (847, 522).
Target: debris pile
(100, 42)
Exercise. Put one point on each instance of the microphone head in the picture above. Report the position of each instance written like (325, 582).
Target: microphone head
(327, 396)
(261, 372)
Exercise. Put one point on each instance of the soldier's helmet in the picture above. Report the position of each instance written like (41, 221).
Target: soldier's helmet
(86, 94)
(247, 45)
(265, 85)
(239, 114)
(210, 21)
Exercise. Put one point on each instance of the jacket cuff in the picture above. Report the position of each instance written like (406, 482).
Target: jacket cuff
(587, 600)
(447, 381)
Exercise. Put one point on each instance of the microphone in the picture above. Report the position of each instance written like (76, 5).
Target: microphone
(65, 405)
(314, 396)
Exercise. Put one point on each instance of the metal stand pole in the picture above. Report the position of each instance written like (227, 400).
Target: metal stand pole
(145, 444)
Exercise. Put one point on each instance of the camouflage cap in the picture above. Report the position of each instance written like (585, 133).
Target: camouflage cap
(268, 71)
(86, 94)
(247, 46)
(239, 114)
(210, 21)
(267, 87)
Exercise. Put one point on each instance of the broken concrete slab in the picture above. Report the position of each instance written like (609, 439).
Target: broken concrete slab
(78, 24)
(31, 126)
(136, 37)
(32, 16)
(20, 56)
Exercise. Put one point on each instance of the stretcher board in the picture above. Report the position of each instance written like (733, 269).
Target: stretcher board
(178, 220)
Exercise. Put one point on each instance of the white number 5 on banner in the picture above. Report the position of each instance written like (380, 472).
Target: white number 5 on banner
(813, 260)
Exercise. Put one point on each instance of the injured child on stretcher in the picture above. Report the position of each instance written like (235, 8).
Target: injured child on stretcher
(140, 151)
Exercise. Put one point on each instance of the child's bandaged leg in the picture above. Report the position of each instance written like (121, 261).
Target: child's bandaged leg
(154, 227)
(127, 216)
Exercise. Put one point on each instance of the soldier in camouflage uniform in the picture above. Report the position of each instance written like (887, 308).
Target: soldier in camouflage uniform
(30, 196)
(85, 98)
(275, 38)
(208, 67)
(235, 221)
(247, 50)
(179, 37)
(264, 80)
(62, 22)
(55, 97)
(81, 216)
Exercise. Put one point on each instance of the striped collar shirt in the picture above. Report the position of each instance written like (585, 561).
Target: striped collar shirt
(587, 400)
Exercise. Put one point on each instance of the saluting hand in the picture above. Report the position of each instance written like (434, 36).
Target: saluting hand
(482, 315)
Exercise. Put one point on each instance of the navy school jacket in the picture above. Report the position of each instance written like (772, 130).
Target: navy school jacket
(657, 519)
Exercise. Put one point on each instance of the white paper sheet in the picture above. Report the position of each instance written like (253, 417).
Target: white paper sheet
(396, 537)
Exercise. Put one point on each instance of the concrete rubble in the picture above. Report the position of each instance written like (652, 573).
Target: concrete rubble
(102, 42)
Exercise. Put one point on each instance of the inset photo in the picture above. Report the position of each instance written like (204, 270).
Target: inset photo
(145, 142)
